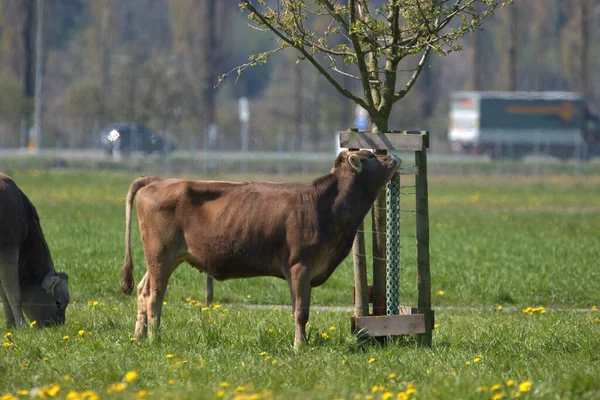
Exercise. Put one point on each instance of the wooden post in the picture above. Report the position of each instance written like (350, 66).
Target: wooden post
(361, 295)
(423, 274)
(378, 217)
(209, 289)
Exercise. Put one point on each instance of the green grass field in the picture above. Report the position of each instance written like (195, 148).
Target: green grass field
(507, 241)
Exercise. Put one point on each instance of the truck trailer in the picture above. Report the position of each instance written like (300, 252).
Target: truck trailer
(514, 124)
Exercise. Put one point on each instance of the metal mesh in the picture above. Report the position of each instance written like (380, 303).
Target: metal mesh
(393, 247)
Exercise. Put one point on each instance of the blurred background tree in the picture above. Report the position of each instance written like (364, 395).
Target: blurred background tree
(157, 61)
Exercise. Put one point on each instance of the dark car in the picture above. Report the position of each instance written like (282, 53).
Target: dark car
(131, 137)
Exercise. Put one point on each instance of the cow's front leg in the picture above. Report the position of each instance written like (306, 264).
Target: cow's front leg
(299, 282)
(10, 319)
(11, 298)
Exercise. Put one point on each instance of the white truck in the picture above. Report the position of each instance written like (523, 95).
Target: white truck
(514, 124)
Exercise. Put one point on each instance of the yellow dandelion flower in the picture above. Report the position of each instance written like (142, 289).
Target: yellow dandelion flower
(164, 303)
(324, 335)
(81, 332)
(239, 389)
(495, 387)
(594, 308)
(23, 392)
(8, 334)
(371, 360)
(7, 344)
(65, 337)
(224, 384)
(24, 364)
(498, 396)
(467, 362)
(8, 396)
(171, 381)
(332, 328)
(499, 308)
(66, 378)
(377, 388)
(248, 296)
(116, 387)
(510, 383)
(402, 396)
(216, 306)
(435, 326)
(275, 309)
(392, 375)
(131, 376)
(525, 386)
(441, 292)
(500, 325)
(274, 362)
(271, 330)
(410, 389)
(169, 355)
(267, 358)
(387, 396)
(132, 339)
(32, 323)
(220, 393)
(51, 390)
(72, 395)
(90, 395)
(262, 353)
(453, 372)
(343, 362)
(95, 303)
(477, 359)
(141, 394)
(481, 389)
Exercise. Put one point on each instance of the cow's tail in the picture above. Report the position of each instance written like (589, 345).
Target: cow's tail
(127, 270)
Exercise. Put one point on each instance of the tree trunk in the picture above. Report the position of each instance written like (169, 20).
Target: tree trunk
(299, 106)
(585, 84)
(105, 47)
(208, 44)
(27, 32)
(478, 66)
(513, 46)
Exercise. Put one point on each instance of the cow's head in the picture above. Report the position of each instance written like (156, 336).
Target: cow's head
(370, 169)
(47, 302)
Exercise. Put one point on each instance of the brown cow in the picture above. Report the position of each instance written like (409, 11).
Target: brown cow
(28, 280)
(294, 231)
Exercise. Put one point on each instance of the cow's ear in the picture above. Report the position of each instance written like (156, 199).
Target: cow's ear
(354, 160)
(50, 283)
(63, 276)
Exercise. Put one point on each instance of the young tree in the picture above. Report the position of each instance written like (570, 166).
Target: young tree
(376, 36)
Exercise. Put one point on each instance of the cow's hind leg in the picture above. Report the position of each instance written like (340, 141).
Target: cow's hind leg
(299, 283)
(158, 277)
(11, 296)
(143, 294)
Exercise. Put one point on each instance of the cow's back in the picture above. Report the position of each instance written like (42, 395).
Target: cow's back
(228, 229)
(13, 213)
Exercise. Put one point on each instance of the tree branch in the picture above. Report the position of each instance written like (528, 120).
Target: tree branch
(307, 55)
(400, 94)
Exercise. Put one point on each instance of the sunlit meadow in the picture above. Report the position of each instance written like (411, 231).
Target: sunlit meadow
(515, 286)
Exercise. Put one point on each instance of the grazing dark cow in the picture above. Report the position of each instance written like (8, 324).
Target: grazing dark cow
(28, 280)
(295, 231)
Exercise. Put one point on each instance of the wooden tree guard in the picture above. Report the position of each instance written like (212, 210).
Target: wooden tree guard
(419, 320)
